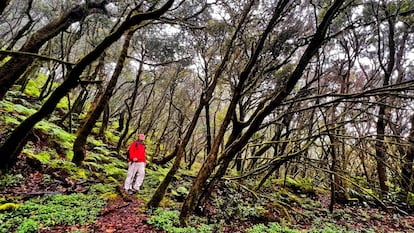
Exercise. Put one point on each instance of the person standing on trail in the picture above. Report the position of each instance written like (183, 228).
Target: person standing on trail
(136, 165)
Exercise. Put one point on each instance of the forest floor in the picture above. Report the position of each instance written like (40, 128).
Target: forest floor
(117, 216)
(128, 214)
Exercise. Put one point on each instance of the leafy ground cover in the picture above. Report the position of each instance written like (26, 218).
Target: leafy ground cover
(46, 193)
(36, 201)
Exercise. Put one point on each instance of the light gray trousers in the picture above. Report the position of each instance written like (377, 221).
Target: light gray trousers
(137, 171)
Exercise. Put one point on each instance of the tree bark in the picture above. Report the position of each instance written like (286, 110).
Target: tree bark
(22, 30)
(13, 145)
(204, 100)
(105, 121)
(98, 107)
(208, 165)
(16, 66)
(130, 107)
(380, 150)
(407, 168)
(3, 5)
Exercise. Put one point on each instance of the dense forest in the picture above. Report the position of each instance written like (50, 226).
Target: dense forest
(259, 115)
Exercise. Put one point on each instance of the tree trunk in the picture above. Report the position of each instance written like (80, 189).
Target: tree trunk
(121, 121)
(98, 107)
(105, 121)
(13, 145)
(22, 30)
(208, 128)
(204, 100)
(130, 107)
(407, 167)
(16, 66)
(380, 150)
(3, 5)
(31, 72)
(208, 165)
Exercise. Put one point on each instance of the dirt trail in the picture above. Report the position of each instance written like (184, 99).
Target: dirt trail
(121, 216)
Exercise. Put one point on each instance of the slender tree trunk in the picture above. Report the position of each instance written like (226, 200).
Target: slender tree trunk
(380, 155)
(98, 107)
(22, 30)
(3, 5)
(407, 167)
(162, 188)
(13, 145)
(164, 130)
(130, 107)
(31, 72)
(12, 69)
(105, 121)
(204, 100)
(208, 165)
(380, 150)
(121, 121)
(334, 182)
(208, 128)
(179, 152)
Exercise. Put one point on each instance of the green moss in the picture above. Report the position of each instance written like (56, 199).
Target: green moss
(63, 104)
(58, 137)
(6, 106)
(11, 121)
(64, 138)
(32, 89)
(111, 137)
(43, 157)
(23, 110)
(410, 198)
(34, 85)
(74, 171)
(8, 206)
(102, 188)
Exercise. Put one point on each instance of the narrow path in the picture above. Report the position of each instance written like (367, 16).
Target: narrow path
(120, 216)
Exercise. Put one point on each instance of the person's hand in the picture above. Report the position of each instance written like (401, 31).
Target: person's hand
(135, 159)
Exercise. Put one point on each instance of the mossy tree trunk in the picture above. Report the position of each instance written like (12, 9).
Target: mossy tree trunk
(23, 30)
(130, 106)
(13, 145)
(16, 66)
(205, 98)
(105, 121)
(99, 105)
(209, 164)
(180, 151)
(407, 167)
(383, 115)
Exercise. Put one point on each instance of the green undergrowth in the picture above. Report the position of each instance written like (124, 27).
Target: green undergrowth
(280, 205)
(51, 210)
(168, 220)
(277, 228)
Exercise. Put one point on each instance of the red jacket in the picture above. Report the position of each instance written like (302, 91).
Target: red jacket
(137, 152)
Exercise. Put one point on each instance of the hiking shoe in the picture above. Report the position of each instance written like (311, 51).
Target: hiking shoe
(135, 190)
(129, 191)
